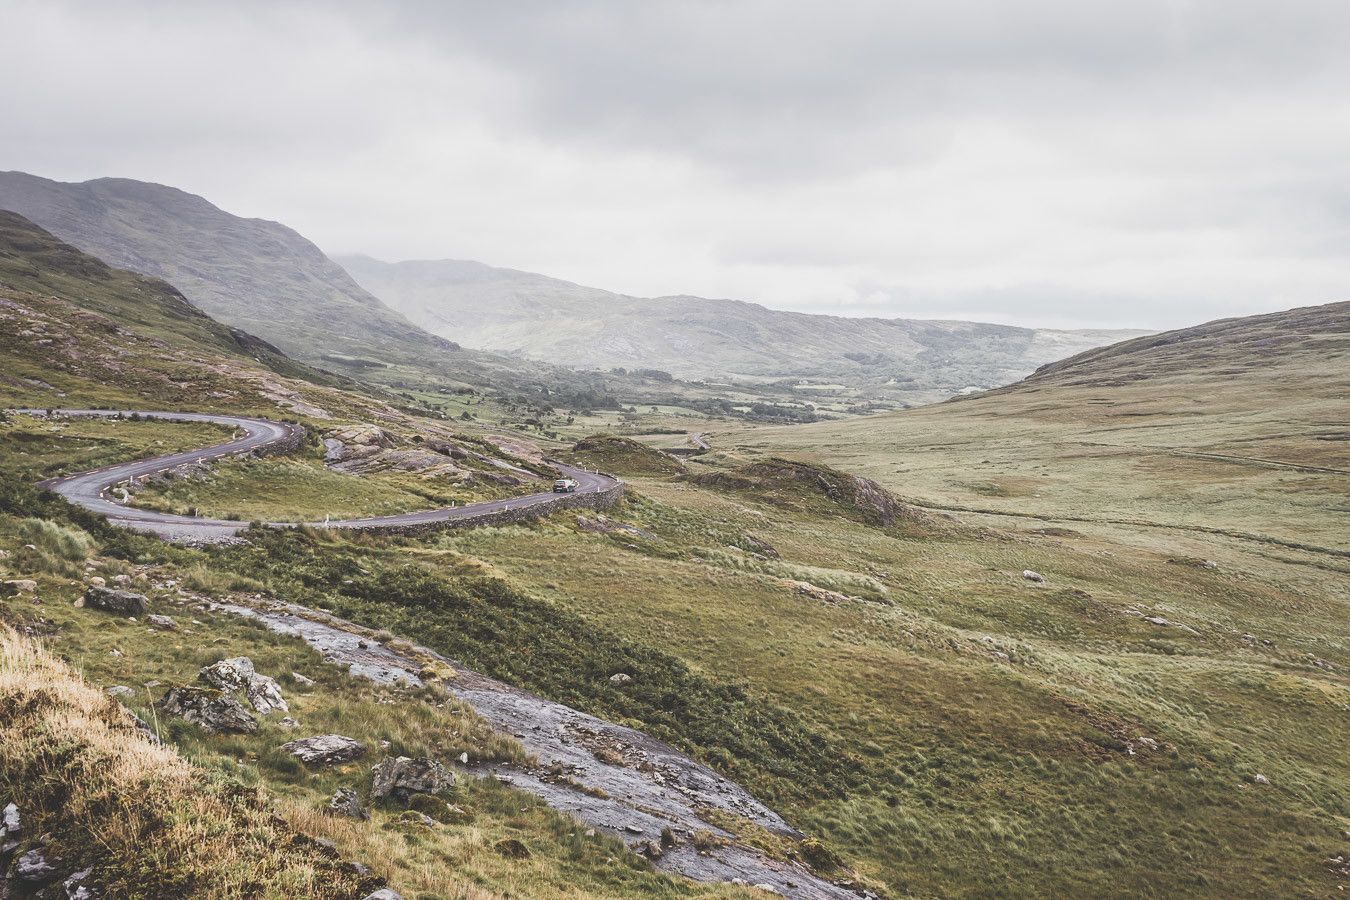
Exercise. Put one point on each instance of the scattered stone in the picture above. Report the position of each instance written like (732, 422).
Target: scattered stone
(163, 623)
(126, 603)
(1260, 779)
(10, 821)
(325, 749)
(346, 803)
(401, 777)
(384, 894)
(357, 868)
(22, 585)
(97, 581)
(288, 723)
(212, 710)
(464, 758)
(302, 680)
(1029, 575)
(120, 690)
(122, 580)
(75, 887)
(621, 678)
(34, 868)
(512, 849)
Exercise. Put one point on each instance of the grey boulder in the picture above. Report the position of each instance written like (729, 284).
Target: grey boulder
(325, 749)
(346, 803)
(400, 777)
(212, 710)
(126, 603)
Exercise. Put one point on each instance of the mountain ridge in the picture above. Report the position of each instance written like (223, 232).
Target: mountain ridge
(522, 313)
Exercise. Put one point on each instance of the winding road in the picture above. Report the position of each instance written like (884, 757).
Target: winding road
(633, 792)
(91, 489)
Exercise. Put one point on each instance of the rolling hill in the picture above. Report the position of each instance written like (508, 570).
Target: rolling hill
(534, 316)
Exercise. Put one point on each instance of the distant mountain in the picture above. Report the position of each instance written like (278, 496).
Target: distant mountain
(530, 315)
(257, 275)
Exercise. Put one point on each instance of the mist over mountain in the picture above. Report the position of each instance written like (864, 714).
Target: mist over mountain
(538, 317)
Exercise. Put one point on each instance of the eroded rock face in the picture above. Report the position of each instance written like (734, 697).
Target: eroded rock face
(126, 603)
(400, 777)
(325, 749)
(212, 710)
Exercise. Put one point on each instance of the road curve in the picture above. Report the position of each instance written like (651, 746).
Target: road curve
(90, 489)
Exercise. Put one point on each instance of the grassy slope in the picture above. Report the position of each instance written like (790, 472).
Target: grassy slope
(1023, 763)
(206, 805)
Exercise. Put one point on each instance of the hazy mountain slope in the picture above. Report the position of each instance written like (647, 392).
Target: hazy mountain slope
(532, 315)
(34, 260)
(254, 274)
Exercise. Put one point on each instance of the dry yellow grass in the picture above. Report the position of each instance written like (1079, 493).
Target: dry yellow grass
(101, 794)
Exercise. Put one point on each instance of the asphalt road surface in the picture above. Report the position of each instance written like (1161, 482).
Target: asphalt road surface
(92, 489)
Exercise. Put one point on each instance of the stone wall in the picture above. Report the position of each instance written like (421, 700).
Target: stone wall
(599, 500)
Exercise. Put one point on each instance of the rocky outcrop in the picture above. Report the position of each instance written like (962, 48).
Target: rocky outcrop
(325, 749)
(238, 674)
(125, 603)
(400, 777)
(212, 710)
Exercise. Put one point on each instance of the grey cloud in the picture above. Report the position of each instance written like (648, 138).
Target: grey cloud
(1151, 162)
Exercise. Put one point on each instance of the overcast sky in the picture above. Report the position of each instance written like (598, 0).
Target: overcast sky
(1054, 162)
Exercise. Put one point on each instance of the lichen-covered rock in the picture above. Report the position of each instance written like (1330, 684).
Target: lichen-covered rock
(265, 695)
(401, 777)
(228, 674)
(346, 803)
(1029, 575)
(126, 603)
(325, 749)
(384, 894)
(212, 710)
(163, 623)
(238, 674)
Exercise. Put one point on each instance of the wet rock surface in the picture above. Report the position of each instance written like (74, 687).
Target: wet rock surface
(613, 778)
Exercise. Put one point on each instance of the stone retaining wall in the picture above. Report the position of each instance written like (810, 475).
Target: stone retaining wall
(599, 500)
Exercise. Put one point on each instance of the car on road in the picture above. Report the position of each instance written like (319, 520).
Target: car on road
(564, 486)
